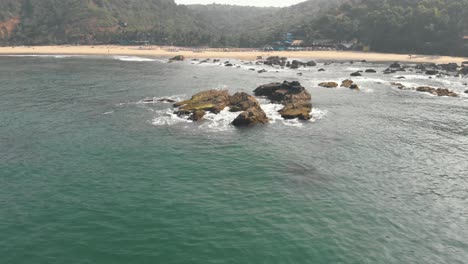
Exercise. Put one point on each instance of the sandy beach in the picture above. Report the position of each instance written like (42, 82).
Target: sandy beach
(155, 51)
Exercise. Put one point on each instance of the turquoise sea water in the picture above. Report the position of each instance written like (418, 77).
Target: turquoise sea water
(89, 174)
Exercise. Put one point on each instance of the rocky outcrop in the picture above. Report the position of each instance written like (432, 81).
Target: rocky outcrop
(215, 101)
(328, 84)
(294, 97)
(212, 101)
(437, 91)
(356, 74)
(371, 71)
(197, 115)
(347, 83)
(251, 116)
(275, 60)
(242, 102)
(178, 58)
(311, 63)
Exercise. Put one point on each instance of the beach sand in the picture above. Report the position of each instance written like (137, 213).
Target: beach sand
(155, 51)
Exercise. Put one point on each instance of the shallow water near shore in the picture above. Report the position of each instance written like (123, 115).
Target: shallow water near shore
(89, 173)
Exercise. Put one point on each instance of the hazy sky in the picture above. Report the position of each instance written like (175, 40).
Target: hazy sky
(243, 2)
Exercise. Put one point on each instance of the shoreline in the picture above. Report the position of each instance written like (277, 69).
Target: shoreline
(168, 52)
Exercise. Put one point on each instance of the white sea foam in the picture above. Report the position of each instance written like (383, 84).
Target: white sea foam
(167, 117)
(223, 120)
(162, 99)
(133, 58)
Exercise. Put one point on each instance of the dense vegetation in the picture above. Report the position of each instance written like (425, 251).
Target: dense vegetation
(429, 26)
(426, 26)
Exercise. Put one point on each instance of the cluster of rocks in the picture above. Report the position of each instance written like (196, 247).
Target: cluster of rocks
(346, 84)
(428, 89)
(294, 97)
(284, 62)
(432, 69)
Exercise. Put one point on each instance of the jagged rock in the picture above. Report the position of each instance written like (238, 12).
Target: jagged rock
(197, 115)
(296, 64)
(250, 117)
(395, 65)
(347, 83)
(437, 91)
(328, 84)
(300, 110)
(311, 63)
(276, 60)
(212, 100)
(242, 102)
(294, 97)
(371, 71)
(356, 74)
(178, 58)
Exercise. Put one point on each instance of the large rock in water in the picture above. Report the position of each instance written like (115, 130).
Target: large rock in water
(294, 97)
(328, 84)
(212, 100)
(178, 58)
(252, 116)
(242, 102)
(275, 60)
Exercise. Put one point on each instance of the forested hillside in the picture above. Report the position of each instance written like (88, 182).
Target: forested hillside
(426, 26)
(429, 26)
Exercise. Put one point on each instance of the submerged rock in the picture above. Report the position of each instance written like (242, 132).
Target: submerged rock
(371, 71)
(356, 74)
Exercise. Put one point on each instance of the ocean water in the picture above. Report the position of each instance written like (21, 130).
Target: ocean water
(90, 174)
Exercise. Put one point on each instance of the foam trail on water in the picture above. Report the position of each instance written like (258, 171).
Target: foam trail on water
(133, 58)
